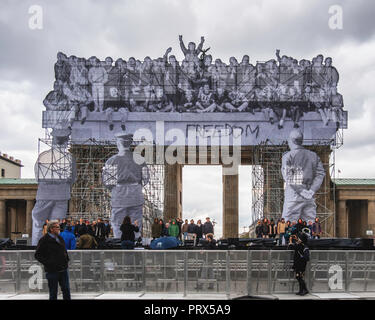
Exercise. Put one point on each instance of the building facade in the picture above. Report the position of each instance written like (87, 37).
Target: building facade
(9, 167)
(355, 208)
(17, 199)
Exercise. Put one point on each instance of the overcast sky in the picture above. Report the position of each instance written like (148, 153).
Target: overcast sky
(146, 28)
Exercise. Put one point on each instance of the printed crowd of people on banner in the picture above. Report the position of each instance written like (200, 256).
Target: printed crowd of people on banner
(280, 88)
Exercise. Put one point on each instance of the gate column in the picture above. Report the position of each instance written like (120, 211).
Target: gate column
(172, 191)
(230, 206)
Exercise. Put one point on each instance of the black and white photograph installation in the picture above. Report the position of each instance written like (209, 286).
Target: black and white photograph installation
(55, 171)
(125, 178)
(279, 88)
(303, 174)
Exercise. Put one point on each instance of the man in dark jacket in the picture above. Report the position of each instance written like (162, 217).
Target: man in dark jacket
(107, 228)
(100, 231)
(51, 252)
(300, 259)
(208, 227)
(81, 228)
(191, 227)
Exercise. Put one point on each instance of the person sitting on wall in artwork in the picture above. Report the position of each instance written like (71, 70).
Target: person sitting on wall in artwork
(191, 52)
(220, 99)
(317, 98)
(205, 99)
(237, 101)
(122, 110)
(115, 103)
(112, 96)
(78, 99)
(56, 100)
(294, 109)
(188, 101)
(336, 107)
(158, 101)
(97, 76)
(264, 102)
(280, 107)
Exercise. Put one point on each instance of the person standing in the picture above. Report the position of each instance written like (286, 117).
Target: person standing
(156, 229)
(300, 259)
(272, 229)
(316, 229)
(299, 226)
(179, 224)
(69, 238)
(128, 233)
(173, 230)
(107, 228)
(184, 230)
(52, 254)
(80, 228)
(259, 229)
(281, 229)
(199, 231)
(191, 229)
(208, 227)
(100, 231)
(265, 228)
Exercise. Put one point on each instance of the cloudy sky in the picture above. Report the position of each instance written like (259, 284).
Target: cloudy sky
(147, 27)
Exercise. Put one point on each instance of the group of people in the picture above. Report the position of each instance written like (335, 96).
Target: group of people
(182, 230)
(285, 230)
(82, 234)
(280, 88)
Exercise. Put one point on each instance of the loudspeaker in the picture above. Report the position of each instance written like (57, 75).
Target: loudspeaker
(6, 243)
(341, 243)
(188, 244)
(233, 242)
(111, 243)
(258, 242)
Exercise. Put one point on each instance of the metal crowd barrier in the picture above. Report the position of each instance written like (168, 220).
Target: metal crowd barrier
(232, 273)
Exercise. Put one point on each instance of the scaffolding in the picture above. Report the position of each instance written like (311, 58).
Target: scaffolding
(268, 183)
(90, 199)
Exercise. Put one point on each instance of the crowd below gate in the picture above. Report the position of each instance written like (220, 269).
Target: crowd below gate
(85, 234)
(286, 231)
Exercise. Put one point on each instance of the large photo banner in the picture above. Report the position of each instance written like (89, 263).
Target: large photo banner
(267, 97)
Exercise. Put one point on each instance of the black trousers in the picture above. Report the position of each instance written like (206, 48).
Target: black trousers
(300, 276)
(55, 279)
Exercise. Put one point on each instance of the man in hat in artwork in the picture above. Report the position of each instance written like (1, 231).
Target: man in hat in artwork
(125, 174)
(55, 171)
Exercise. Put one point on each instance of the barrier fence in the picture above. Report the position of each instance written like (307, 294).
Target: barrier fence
(232, 273)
